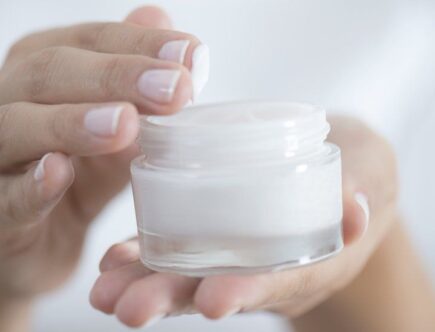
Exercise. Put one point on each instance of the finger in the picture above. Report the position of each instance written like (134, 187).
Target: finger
(355, 216)
(125, 38)
(111, 284)
(86, 129)
(119, 255)
(111, 37)
(68, 75)
(150, 17)
(30, 197)
(154, 297)
(232, 294)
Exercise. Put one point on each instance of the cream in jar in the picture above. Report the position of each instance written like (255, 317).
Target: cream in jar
(237, 187)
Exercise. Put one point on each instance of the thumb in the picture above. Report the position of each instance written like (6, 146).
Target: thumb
(356, 214)
(31, 196)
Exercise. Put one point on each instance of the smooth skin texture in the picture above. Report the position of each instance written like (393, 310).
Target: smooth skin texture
(56, 160)
(69, 106)
(137, 295)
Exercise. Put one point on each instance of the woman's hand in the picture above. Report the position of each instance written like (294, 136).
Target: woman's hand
(70, 98)
(138, 296)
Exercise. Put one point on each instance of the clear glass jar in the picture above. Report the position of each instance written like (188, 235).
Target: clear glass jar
(237, 187)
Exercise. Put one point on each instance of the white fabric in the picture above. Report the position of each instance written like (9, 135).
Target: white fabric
(370, 58)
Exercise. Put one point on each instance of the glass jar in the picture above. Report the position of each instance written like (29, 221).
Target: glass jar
(237, 187)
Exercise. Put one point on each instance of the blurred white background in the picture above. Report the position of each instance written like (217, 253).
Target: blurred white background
(371, 58)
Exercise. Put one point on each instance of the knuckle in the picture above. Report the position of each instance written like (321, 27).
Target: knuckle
(6, 113)
(93, 35)
(41, 68)
(112, 77)
(59, 125)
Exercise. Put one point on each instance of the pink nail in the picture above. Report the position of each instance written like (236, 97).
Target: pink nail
(174, 51)
(39, 173)
(103, 121)
(159, 85)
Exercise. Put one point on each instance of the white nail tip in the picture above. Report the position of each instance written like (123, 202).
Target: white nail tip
(232, 312)
(115, 119)
(189, 103)
(174, 51)
(200, 69)
(103, 121)
(159, 85)
(39, 170)
(362, 201)
(154, 320)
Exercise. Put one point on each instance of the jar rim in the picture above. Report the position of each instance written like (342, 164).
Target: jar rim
(232, 133)
(301, 113)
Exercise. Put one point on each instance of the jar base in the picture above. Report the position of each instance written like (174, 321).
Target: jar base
(237, 255)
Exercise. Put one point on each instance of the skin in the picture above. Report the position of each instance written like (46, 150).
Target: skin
(47, 84)
(49, 81)
(136, 295)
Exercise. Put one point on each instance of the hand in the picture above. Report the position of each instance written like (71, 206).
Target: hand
(137, 295)
(70, 98)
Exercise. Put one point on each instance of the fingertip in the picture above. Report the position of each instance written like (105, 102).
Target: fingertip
(151, 17)
(128, 126)
(355, 218)
(58, 174)
(98, 298)
(183, 93)
(134, 310)
(226, 292)
(119, 255)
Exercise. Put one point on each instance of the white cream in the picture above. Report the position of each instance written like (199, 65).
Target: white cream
(237, 187)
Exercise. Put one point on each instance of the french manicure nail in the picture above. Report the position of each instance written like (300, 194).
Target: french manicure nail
(200, 69)
(39, 170)
(103, 121)
(154, 320)
(189, 103)
(362, 201)
(174, 50)
(159, 85)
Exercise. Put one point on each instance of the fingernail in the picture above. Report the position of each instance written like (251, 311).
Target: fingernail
(159, 85)
(154, 320)
(362, 201)
(174, 51)
(231, 312)
(39, 170)
(200, 69)
(189, 103)
(103, 121)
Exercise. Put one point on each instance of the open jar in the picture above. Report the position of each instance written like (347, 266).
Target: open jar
(237, 187)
